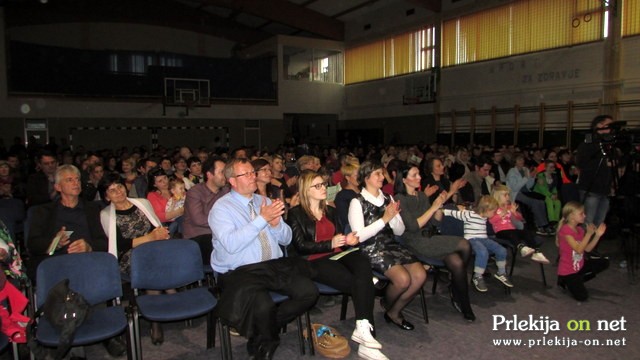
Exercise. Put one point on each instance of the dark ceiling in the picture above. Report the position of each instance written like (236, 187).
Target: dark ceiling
(244, 22)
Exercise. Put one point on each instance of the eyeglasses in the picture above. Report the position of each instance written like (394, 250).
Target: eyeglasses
(320, 185)
(248, 173)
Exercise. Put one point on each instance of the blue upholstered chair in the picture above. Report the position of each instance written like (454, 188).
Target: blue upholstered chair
(164, 265)
(96, 276)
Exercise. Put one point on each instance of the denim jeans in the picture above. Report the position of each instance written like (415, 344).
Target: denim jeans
(538, 208)
(482, 247)
(596, 207)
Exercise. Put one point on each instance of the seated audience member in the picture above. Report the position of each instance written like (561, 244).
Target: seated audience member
(317, 236)
(436, 182)
(129, 223)
(520, 181)
(375, 217)
(198, 203)
(345, 158)
(248, 231)
(129, 174)
(175, 203)
(569, 191)
(477, 184)
(499, 167)
(166, 165)
(140, 184)
(159, 195)
(262, 167)
(10, 259)
(503, 223)
(390, 174)
(181, 171)
(460, 166)
(418, 213)
(41, 184)
(90, 186)
(350, 190)
(10, 186)
(475, 230)
(547, 184)
(574, 269)
(195, 170)
(277, 179)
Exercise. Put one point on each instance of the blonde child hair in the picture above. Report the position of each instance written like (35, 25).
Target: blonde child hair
(173, 182)
(498, 191)
(485, 204)
(568, 209)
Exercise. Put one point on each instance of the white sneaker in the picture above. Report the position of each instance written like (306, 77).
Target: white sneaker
(370, 354)
(539, 257)
(362, 335)
(526, 251)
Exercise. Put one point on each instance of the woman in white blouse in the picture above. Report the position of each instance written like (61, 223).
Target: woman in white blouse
(375, 218)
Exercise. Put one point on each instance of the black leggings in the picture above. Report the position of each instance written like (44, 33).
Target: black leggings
(575, 282)
(352, 275)
(456, 262)
(517, 237)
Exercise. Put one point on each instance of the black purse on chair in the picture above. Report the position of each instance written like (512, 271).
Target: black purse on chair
(66, 310)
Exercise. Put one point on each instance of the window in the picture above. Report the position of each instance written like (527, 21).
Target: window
(520, 27)
(630, 17)
(313, 65)
(398, 55)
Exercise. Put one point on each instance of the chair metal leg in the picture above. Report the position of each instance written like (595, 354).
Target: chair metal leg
(514, 256)
(423, 301)
(300, 336)
(544, 278)
(211, 331)
(436, 276)
(309, 338)
(345, 304)
(131, 335)
(136, 326)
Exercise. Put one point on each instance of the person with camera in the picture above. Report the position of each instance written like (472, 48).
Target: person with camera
(594, 182)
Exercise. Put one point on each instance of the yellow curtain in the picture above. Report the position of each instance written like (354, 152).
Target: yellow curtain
(630, 17)
(520, 27)
(364, 63)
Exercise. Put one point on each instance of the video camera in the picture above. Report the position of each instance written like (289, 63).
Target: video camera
(619, 137)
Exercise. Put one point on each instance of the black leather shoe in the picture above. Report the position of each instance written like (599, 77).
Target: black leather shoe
(404, 325)
(266, 351)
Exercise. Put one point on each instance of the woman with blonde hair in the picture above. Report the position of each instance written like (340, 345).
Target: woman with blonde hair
(318, 236)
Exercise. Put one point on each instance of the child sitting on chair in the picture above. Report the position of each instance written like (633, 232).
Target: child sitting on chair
(178, 195)
(475, 230)
(503, 225)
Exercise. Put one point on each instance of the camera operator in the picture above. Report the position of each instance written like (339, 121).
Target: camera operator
(595, 177)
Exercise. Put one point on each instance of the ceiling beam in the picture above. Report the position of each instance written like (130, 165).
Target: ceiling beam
(151, 12)
(289, 14)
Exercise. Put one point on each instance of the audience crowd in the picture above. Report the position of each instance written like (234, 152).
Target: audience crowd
(395, 204)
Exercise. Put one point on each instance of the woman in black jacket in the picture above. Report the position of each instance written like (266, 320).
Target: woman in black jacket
(316, 235)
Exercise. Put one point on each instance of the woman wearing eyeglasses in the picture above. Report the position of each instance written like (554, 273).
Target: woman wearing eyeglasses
(262, 167)
(375, 217)
(316, 235)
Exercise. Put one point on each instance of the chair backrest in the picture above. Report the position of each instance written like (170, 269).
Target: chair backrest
(95, 275)
(27, 223)
(12, 214)
(166, 264)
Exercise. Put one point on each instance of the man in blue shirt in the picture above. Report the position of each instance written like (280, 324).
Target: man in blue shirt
(248, 231)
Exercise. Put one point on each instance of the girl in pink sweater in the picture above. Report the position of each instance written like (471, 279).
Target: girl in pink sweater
(502, 223)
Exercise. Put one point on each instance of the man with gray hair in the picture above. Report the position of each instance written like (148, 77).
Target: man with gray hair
(75, 220)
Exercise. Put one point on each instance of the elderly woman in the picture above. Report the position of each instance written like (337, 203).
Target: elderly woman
(375, 217)
(128, 223)
(418, 212)
(129, 173)
(317, 235)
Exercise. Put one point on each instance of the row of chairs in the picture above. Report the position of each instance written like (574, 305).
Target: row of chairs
(153, 266)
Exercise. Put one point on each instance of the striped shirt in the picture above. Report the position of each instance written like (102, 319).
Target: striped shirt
(475, 226)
